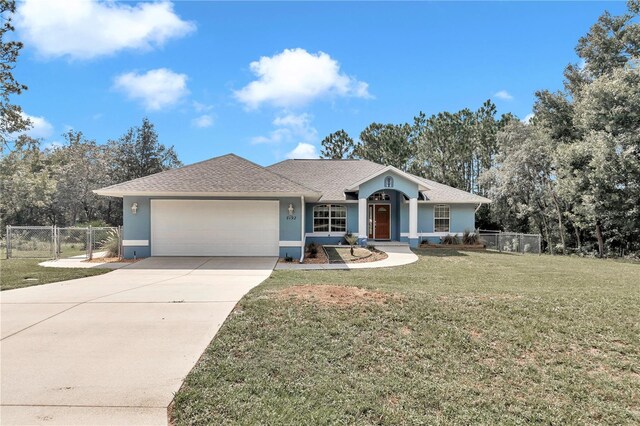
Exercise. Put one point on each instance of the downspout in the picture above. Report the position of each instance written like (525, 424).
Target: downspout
(478, 208)
(303, 236)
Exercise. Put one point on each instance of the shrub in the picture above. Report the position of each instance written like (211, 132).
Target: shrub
(312, 249)
(451, 239)
(110, 243)
(371, 247)
(470, 238)
(352, 240)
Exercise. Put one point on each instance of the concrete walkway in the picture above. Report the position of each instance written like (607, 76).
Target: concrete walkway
(397, 255)
(82, 263)
(113, 349)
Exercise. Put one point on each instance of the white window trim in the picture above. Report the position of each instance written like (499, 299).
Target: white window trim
(448, 218)
(313, 218)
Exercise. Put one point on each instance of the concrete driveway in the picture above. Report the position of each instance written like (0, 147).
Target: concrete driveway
(113, 349)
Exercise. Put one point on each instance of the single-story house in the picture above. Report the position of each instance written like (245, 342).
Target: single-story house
(229, 206)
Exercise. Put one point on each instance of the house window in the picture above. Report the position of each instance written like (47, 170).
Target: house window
(379, 196)
(388, 182)
(441, 218)
(329, 218)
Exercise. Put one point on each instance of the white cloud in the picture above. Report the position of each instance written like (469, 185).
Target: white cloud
(200, 107)
(85, 29)
(504, 95)
(290, 128)
(203, 121)
(295, 77)
(527, 119)
(156, 89)
(40, 127)
(304, 150)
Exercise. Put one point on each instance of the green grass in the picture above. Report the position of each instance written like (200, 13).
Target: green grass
(18, 273)
(466, 338)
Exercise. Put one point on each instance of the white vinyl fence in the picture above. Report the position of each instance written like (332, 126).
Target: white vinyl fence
(513, 242)
(51, 242)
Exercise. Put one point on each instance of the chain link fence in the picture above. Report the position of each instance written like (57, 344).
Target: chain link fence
(51, 242)
(512, 242)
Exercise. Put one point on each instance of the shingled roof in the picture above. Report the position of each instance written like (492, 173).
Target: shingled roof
(329, 177)
(332, 177)
(228, 174)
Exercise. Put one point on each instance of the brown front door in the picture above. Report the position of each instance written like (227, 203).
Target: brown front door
(382, 222)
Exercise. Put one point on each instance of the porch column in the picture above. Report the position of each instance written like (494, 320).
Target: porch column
(413, 222)
(362, 221)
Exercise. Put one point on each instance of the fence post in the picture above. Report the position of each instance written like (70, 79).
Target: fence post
(89, 243)
(8, 241)
(53, 242)
(56, 233)
(499, 242)
(539, 245)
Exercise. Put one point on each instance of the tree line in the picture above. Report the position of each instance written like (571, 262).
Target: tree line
(571, 173)
(53, 185)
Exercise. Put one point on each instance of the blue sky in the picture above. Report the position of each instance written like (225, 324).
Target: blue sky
(269, 80)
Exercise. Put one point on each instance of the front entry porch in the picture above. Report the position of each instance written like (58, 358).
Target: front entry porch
(384, 214)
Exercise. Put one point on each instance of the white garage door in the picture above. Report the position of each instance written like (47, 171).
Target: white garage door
(214, 228)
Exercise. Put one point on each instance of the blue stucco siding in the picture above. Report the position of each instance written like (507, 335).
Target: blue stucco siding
(290, 226)
(400, 183)
(463, 217)
(294, 252)
(138, 226)
(425, 218)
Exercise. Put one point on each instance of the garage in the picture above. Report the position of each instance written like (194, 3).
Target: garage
(214, 228)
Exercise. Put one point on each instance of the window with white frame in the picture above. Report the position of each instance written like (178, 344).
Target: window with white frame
(329, 218)
(388, 182)
(441, 218)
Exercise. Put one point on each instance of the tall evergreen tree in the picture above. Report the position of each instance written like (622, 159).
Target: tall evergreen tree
(12, 119)
(337, 145)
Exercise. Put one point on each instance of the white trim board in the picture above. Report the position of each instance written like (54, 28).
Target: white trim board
(325, 234)
(135, 243)
(291, 244)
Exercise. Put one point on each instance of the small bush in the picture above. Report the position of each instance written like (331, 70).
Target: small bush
(470, 238)
(352, 240)
(312, 249)
(110, 243)
(451, 239)
(371, 247)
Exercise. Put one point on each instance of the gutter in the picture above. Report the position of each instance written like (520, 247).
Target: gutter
(303, 234)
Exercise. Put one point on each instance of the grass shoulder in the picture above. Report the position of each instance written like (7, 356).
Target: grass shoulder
(18, 273)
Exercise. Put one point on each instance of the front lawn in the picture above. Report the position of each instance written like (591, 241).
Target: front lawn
(456, 338)
(17, 273)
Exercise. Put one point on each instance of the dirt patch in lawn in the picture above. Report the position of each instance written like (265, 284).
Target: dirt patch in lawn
(335, 295)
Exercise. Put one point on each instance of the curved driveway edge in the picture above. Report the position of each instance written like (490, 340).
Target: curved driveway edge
(397, 255)
(114, 348)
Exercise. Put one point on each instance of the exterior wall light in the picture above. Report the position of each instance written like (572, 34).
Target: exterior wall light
(291, 209)
(134, 208)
